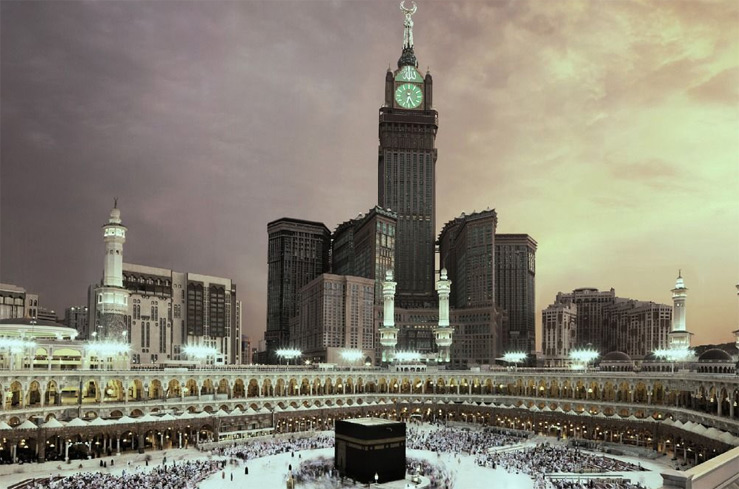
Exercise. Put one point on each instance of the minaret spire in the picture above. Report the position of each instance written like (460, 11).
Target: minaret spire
(679, 336)
(408, 57)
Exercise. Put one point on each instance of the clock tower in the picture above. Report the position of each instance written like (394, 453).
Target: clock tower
(407, 171)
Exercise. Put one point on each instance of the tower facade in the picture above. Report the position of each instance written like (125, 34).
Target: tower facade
(336, 313)
(515, 289)
(466, 249)
(298, 252)
(559, 333)
(111, 299)
(679, 335)
(365, 247)
(407, 172)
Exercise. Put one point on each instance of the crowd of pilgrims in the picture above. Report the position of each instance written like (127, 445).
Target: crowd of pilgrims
(590, 484)
(439, 476)
(544, 459)
(274, 446)
(538, 462)
(173, 476)
(455, 440)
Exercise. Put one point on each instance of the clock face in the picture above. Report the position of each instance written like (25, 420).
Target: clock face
(408, 95)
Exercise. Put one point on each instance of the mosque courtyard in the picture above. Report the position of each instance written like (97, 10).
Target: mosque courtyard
(459, 470)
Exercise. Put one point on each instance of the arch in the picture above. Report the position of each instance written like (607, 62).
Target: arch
(174, 389)
(135, 390)
(90, 391)
(113, 391)
(52, 396)
(252, 389)
(239, 390)
(267, 389)
(224, 388)
(191, 388)
(206, 388)
(33, 396)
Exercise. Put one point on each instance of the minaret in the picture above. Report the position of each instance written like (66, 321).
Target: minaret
(736, 332)
(111, 297)
(679, 337)
(388, 332)
(443, 332)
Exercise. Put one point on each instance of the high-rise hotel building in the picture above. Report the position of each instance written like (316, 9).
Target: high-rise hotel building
(159, 311)
(407, 176)
(605, 323)
(515, 290)
(297, 253)
(365, 246)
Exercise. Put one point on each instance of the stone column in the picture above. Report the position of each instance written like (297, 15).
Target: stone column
(118, 446)
(141, 442)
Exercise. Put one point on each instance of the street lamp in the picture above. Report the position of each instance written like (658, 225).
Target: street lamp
(201, 353)
(581, 358)
(675, 355)
(408, 356)
(376, 478)
(515, 357)
(288, 354)
(352, 356)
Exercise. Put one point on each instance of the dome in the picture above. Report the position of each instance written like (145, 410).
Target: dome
(715, 355)
(616, 356)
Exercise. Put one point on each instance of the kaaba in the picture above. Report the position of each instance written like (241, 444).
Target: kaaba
(368, 446)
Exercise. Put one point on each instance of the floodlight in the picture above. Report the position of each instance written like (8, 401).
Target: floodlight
(352, 355)
(108, 348)
(288, 353)
(515, 357)
(199, 352)
(16, 345)
(408, 356)
(585, 355)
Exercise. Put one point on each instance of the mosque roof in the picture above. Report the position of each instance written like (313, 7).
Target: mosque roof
(35, 328)
(715, 355)
(616, 356)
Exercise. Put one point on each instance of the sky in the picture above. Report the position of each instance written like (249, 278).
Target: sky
(608, 131)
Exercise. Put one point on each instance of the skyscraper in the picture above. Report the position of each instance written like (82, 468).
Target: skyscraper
(590, 303)
(336, 313)
(515, 274)
(608, 323)
(407, 172)
(466, 249)
(298, 252)
(365, 246)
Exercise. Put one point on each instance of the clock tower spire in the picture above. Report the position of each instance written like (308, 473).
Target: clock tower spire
(407, 172)
(408, 58)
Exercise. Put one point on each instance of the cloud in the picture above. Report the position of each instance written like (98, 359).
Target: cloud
(583, 124)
